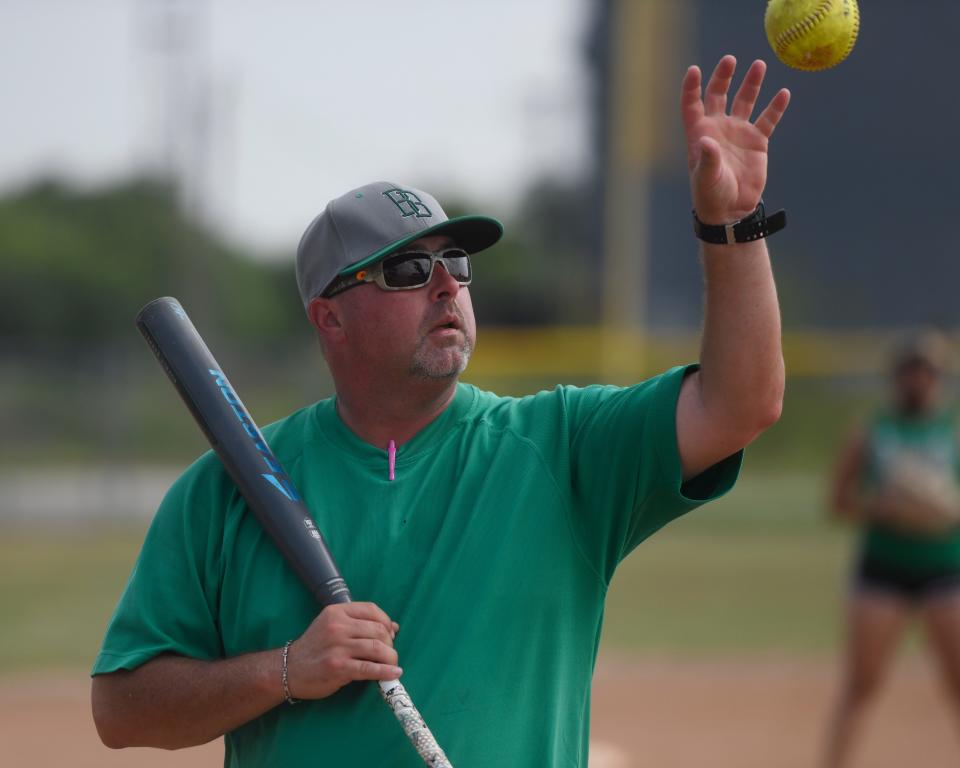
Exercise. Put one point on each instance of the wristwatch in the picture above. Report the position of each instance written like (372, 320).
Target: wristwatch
(753, 227)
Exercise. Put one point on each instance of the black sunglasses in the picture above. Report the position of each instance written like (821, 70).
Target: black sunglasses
(406, 270)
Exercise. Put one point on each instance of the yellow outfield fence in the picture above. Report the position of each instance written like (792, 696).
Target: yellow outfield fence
(619, 355)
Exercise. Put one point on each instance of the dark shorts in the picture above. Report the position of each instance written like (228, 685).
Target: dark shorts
(913, 586)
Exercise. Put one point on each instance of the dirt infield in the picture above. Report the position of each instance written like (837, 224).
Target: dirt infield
(647, 713)
(761, 714)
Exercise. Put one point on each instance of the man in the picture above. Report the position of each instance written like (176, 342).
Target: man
(487, 528)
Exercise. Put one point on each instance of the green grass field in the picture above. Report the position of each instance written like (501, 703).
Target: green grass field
(759, 571)
(58, 587)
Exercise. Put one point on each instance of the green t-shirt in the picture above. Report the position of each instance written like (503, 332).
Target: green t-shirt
(493, 549)
(933, 441)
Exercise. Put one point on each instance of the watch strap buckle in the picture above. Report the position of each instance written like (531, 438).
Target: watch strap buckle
(753, 227)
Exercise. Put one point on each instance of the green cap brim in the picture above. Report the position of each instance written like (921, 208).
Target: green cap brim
(472, 233)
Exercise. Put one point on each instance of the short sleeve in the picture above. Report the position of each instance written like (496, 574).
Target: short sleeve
(625, 466)
(170, 603)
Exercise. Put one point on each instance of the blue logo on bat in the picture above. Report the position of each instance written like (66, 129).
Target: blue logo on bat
(276, 477)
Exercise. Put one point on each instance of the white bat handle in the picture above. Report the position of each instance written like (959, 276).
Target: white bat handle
(399, 701)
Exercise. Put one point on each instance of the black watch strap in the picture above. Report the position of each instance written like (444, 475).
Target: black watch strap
(753, 227)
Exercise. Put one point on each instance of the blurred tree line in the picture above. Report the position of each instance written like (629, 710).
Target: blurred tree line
(76, 266)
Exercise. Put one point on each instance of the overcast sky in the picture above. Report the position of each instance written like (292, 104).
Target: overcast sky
(275, 107)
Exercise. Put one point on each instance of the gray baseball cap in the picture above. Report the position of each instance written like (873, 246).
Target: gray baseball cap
(371, 222)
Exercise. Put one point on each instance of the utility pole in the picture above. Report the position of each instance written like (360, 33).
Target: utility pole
(643, 42)
(175, 35)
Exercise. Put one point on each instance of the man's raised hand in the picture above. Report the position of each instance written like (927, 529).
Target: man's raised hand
(726, 153)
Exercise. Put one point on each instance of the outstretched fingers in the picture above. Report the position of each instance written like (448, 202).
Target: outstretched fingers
(715, 96)
(769, 118)
(749, 91)
(691, 105)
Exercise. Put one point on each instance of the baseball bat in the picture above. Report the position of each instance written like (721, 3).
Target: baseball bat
(268, 490)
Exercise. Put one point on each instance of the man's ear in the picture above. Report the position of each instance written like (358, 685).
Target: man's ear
(326, 317)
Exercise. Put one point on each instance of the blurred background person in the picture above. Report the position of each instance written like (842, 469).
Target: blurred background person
(896, 478)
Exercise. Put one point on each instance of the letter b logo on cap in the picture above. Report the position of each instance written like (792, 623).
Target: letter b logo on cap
(408, 203)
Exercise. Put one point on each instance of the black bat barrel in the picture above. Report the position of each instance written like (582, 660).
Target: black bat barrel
(235, 437)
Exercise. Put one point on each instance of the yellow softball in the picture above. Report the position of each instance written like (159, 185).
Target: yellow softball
(812, 34)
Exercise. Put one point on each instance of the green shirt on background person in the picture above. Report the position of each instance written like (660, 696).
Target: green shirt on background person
(933, 440)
